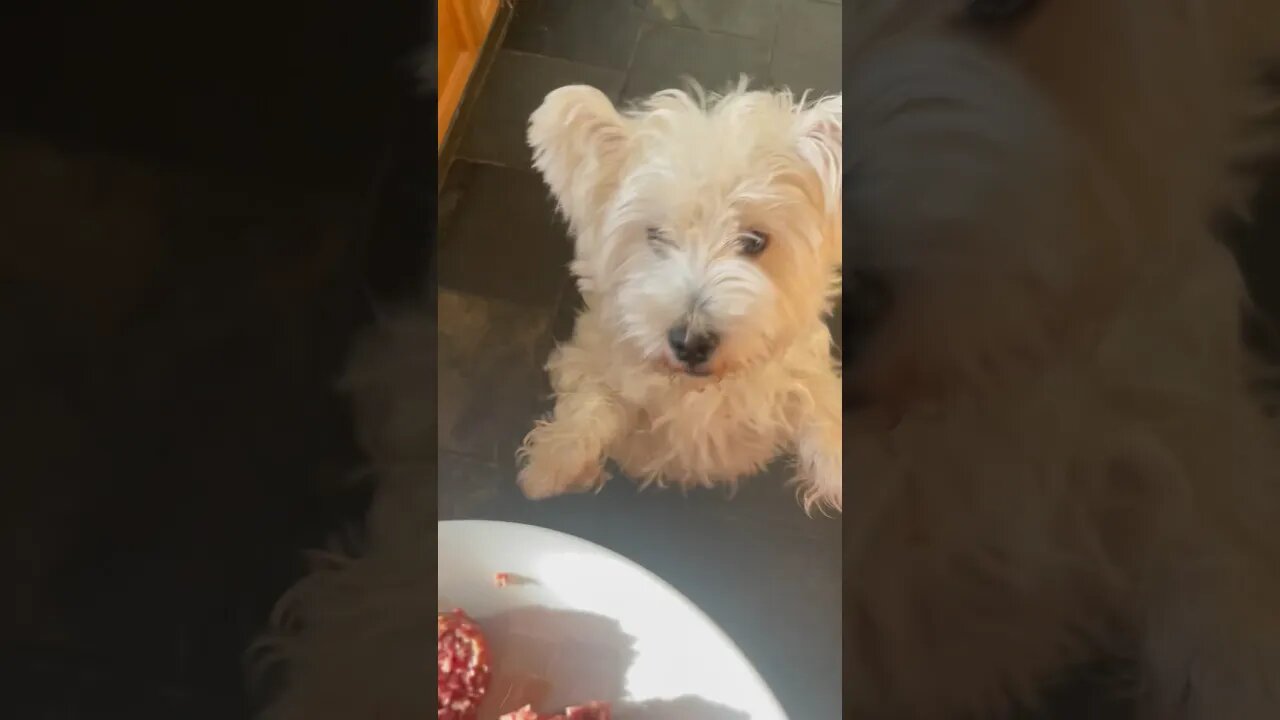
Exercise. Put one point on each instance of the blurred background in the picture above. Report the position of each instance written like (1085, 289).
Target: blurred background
(198, 203)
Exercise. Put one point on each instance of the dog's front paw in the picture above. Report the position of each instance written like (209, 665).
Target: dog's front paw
(539, 482)
(552, 466)
(821, 487)
(819, 462)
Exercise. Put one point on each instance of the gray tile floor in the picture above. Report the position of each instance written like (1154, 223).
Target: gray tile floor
(765, 572)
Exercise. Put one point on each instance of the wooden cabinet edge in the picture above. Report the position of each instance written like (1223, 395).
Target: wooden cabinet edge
(474, 20)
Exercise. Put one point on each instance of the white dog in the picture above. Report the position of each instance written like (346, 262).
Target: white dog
(1058, 450)
(707, 251)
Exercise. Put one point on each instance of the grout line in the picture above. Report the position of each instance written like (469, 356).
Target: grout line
(719, 33)
(649, 25)
(777, 4)
(635, 43)
(494, 163)
(773, 44)
(557, 58)
(629, 73)
(466, 455)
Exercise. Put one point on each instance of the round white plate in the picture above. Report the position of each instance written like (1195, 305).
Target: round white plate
(595, 626)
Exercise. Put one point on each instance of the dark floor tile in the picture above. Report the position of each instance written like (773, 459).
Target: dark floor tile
(747, 18)
(513, 89)
(501, 238)
(769, 501)
(810, 28)
(819, 72)
(491, 383)
(488, 491)
(666, 55)
(596, 32)
(472, 488)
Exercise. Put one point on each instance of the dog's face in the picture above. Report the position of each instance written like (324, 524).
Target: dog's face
(1019, 178)
(706, 231)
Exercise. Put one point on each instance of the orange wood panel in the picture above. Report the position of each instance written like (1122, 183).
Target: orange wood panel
(462, 26)
(488, 8)
(448, 46)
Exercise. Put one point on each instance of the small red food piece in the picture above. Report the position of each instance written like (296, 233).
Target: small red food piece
(590, 711)
(462, 666)
(501, 579)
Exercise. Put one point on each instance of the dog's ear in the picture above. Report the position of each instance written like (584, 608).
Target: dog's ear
(821, 145)
(579, 141)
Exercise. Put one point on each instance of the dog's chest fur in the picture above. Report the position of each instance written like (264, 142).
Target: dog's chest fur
(695, 431)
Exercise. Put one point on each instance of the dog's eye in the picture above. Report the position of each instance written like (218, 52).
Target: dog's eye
(754, 242)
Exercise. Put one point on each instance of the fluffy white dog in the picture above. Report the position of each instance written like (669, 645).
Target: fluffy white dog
(707, 249)
(1057, 449)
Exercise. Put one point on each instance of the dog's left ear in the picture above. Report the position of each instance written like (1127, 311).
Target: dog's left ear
(821, 145)
(579, 142)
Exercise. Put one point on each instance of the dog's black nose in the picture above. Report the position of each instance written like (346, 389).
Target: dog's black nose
(692, 347)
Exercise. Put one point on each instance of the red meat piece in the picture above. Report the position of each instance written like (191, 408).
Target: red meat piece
(462, 666)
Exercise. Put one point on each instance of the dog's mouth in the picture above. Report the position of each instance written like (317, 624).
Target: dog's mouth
(675, 367)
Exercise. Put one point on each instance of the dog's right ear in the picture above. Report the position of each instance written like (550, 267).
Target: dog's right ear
(821, 144)
(579, 142)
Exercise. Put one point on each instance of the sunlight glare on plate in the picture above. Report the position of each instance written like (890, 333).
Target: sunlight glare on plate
(647, 610)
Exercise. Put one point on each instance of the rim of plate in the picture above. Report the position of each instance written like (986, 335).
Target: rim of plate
(715, 627)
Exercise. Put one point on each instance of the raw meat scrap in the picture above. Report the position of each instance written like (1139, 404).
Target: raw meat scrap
(462, 666)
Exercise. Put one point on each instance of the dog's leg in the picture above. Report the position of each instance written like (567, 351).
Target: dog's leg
(820, 446)
(565, 452)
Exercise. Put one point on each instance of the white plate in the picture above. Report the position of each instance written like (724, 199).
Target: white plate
(595, 625)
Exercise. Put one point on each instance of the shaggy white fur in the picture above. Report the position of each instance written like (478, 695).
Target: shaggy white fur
(1060, 450)
(719, 216)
